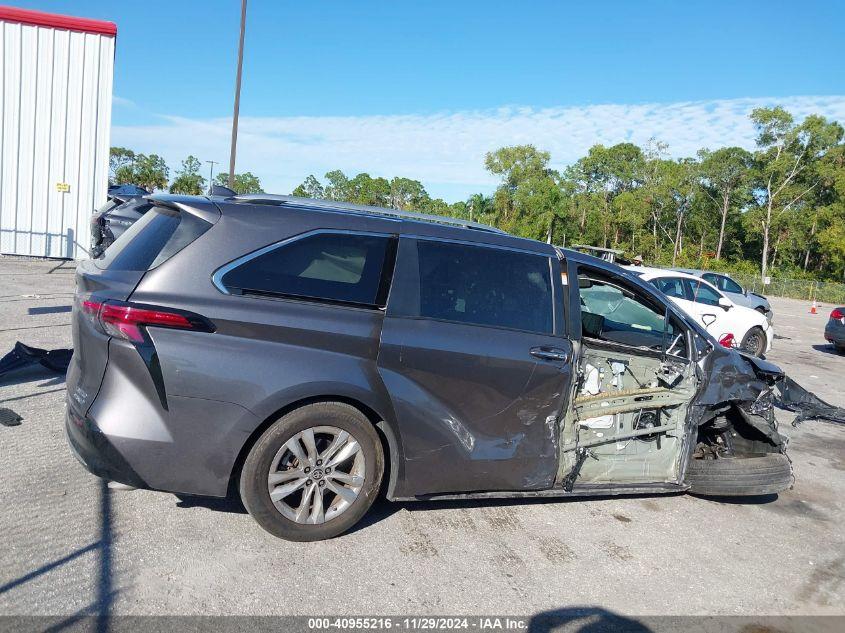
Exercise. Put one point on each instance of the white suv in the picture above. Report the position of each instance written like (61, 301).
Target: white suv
(732, 324)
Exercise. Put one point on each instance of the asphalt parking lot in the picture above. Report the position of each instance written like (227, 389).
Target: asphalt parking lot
(71, 546)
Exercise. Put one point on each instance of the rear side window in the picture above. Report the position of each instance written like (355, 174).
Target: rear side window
(670, 286)
(726, 284)
(156, 237)
(705, 294)
(485, 286)
(335, 267)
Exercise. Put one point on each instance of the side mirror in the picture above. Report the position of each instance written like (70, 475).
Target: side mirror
(725, 304)
(708, 319)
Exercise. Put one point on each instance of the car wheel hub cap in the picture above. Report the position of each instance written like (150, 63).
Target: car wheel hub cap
(316, 475)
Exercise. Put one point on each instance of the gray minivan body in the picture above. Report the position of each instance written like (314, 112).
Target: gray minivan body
(178, 402)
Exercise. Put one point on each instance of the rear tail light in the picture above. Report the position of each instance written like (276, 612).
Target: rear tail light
(126, 320)
(727, 340)
(837, 314)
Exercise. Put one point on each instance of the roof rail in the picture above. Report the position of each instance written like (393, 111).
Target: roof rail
(265, 198)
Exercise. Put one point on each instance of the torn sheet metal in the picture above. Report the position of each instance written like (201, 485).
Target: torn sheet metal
(21, 356)
(736, 377)
(744, 383)
(808, 406)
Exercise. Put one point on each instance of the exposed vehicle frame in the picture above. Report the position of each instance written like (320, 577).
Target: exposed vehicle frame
(184, 379)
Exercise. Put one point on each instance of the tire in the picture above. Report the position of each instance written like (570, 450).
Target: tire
(754, 342)
(764, 474)
(286, 434)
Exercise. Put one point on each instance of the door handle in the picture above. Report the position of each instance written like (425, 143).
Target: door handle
(550, 353)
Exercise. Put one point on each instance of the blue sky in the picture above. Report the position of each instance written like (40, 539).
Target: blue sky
(423, 89)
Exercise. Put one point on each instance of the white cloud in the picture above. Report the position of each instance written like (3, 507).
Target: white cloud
(446, 150)
(123, 102)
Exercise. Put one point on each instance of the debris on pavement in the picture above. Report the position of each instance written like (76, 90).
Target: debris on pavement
(21, 356)
(9, 417)
(808, 406)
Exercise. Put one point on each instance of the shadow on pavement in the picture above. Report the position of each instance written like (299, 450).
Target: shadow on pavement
(584, 620)
(755, 500)
(104, 592)
(828, 349)
(422, 505)
(231, 504)
(31, 374)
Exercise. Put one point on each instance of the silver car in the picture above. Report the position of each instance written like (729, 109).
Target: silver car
(734, 291)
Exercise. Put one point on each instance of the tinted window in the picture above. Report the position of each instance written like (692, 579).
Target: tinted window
(703, 293)
(725, 284)
(485, 286)
(326, 266)
(153, 239)
(612, 313)
(670, 286)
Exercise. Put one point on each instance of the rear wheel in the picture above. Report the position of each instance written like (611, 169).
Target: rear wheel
(754, 342)
(314, 473)
(761, 474)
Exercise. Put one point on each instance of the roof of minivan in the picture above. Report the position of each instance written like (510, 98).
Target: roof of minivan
(407, 221)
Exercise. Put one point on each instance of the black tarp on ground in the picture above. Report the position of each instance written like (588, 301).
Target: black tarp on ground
(23, 355)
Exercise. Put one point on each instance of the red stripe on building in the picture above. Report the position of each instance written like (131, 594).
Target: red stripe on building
(56, 21)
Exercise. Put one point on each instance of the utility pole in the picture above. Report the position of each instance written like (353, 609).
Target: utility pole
(237, 98)
(211, 163)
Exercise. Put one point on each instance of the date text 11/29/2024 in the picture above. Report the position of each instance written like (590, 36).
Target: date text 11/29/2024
(423, 623)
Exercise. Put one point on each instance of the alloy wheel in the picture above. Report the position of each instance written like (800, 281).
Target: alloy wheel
(316, 475)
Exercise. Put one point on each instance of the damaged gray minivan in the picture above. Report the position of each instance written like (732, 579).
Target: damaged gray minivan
(305, 355)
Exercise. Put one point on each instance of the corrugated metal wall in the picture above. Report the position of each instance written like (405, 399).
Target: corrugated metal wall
(55, 110)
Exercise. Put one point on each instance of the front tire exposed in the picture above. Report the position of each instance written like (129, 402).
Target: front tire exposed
(313, 473)
(754, 342)
(751, 475)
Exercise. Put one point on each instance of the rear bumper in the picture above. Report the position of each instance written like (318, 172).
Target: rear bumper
(94, 451)
(835, 333)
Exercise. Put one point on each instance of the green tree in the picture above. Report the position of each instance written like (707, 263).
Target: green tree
(244, 183)
(784, 162)
(407, 194)
(725, 179)
(366, 190)
(188, 179)
(119, 157)
(338, 187)
(147, 171)
(528, 201)
(310, 188)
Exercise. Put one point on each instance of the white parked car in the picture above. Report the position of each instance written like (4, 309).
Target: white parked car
(731, 324)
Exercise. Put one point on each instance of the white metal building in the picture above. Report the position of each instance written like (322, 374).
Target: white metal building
(55, 118)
